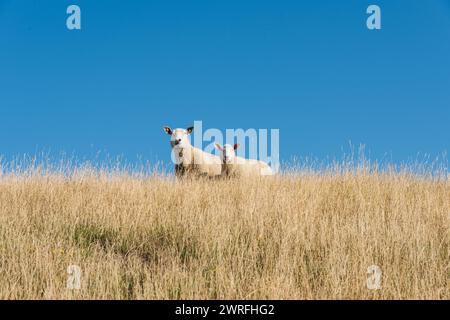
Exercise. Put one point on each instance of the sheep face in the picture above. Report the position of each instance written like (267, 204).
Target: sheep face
(179, 138)
(227, 152)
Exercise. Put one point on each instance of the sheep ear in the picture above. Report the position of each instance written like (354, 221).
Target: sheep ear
(189, 130)
(218, 147)
(168, 130)
(236, 145)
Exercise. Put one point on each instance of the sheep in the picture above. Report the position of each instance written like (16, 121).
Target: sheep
(191, 161)
(234, 166)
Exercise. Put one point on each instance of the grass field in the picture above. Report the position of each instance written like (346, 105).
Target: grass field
(304, 235)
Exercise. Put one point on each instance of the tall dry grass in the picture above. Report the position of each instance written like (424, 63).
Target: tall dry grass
(308, 235)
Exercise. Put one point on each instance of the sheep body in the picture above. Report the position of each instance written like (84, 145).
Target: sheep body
(234, 166)
(192, 161)
(245, 168)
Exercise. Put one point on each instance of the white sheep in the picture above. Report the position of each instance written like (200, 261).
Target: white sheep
(191, 161)
(234, 166)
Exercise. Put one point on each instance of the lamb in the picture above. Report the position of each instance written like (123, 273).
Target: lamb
(191, 161)
(234, 166)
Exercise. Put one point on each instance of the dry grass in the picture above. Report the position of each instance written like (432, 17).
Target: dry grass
(307, 236)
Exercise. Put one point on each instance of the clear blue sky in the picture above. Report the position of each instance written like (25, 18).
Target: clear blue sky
(311, 69)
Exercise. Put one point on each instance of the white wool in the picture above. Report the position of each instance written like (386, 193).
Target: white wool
(233, 165)
(195, 162)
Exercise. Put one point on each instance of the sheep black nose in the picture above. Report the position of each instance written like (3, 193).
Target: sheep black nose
(179, 140)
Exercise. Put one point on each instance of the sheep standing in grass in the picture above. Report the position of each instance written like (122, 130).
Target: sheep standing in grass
(234, 166)
(191, 161)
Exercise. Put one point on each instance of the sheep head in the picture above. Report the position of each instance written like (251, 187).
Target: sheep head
(227, 152)
(179, 138)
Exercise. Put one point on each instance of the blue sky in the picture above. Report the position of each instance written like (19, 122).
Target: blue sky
(311, 69)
